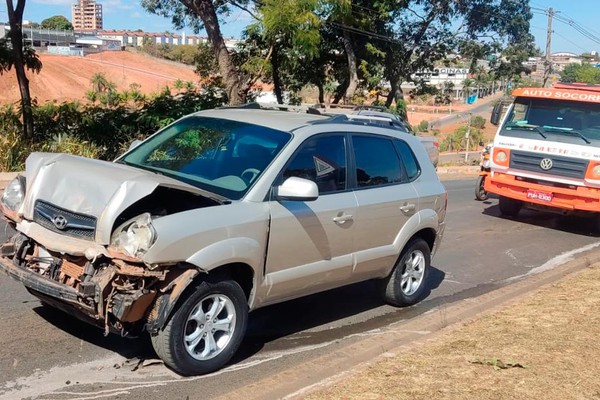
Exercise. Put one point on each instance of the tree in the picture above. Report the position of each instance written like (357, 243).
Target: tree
(57, 22)
(582, 73)
(20, 56)
(204, 14)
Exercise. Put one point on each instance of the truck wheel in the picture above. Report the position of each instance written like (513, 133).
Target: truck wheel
(206, 329)
(408, 280)
(480, 193)
(509, 207)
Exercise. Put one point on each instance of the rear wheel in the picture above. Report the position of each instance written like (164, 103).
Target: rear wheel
(480, 193)
(407, 282)
(206, 329)
(509, 207)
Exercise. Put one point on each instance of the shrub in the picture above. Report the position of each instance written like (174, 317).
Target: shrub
(95, 131)
(478, 122)
(423, 126)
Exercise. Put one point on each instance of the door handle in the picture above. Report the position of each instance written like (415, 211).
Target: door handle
(408, 207)
(340, 219)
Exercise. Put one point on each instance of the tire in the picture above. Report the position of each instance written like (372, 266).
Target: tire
(216, 338)
(480, 193)
(408, 280)
(509, 207)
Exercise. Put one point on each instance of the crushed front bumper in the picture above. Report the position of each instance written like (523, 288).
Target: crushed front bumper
(39, 283)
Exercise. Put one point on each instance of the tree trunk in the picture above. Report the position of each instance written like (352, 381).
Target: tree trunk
(352, 68)
(321, 93)
(205, 9)
(276, 77)
(395, 93)
(15, 18)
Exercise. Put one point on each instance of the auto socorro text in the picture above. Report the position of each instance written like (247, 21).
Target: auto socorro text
(559, 94)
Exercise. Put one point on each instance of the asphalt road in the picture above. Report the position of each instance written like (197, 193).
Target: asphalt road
(48, 355)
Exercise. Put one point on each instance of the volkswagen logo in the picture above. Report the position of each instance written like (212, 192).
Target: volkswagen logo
(546, 164)
(59, 221)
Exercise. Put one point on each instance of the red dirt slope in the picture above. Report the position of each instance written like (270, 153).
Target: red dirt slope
(68, 78)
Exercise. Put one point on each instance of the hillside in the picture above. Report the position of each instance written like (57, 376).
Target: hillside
(68, 78)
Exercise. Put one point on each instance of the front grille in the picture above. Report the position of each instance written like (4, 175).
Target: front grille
(63, 221)
(561, 166)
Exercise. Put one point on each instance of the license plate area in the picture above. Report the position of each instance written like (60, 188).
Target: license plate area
(540, 196)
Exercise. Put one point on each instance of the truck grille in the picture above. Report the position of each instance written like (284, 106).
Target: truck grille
(561, 166)
(65, 222)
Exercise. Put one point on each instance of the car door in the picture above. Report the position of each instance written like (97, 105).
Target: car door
(310, 242)
(386, 202)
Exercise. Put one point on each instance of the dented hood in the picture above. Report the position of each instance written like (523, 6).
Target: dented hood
(96, 188)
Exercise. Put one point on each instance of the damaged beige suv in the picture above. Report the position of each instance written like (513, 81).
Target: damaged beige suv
(218, 214)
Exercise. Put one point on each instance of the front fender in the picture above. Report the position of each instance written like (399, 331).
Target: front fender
(229, 251)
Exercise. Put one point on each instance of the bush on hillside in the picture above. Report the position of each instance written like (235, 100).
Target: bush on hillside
(95, 131)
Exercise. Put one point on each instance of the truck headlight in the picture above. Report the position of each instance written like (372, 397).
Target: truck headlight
(14, 194)
(135, 236)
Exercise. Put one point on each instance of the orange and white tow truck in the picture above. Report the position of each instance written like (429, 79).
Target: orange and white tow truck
(546, 152)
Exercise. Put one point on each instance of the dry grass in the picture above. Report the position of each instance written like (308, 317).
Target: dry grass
(552, 333)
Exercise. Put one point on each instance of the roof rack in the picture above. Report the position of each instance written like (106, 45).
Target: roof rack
(338, 113)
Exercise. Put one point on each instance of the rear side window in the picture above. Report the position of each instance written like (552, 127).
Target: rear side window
(377, 161)
(408, 158)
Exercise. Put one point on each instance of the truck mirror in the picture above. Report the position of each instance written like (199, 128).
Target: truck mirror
(496, 114)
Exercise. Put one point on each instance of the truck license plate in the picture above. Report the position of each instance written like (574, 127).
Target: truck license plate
(543, 196)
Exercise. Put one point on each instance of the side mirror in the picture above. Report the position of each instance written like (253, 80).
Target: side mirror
(496, 114)
(297, 189)
(135, 144)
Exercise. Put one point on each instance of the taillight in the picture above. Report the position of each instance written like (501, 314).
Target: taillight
(501, 156)
(436, 144)
(593, 171)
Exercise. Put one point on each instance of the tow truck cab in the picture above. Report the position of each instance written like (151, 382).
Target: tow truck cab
(546, 152)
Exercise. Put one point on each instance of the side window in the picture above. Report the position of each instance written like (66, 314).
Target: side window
(377, 162)
(323, 161)
(408, 158)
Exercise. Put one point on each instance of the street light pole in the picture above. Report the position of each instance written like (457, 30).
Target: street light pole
(467, 135)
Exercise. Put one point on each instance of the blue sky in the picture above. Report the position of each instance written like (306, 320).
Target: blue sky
(128, 14)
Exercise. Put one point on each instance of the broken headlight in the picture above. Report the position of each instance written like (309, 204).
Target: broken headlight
(135, 236)
(14, 194)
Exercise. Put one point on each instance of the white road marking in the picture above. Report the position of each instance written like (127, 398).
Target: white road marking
(556, 261)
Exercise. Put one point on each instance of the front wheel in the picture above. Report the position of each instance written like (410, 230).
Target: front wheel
(407, 282)
(206, 329)
(480, 193)
(509, 207)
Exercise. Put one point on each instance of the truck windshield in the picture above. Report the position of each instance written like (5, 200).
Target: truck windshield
(556, 120)
(221, 156)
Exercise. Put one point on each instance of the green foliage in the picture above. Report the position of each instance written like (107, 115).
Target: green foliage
(400, 109)
(93, 130)
(478, 122)
(457, 140)
(423, 126)
(582, 73)
(57, 22)
(184, 53)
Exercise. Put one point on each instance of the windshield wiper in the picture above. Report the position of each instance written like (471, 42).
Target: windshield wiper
(541, 131)
(569, 130)
(529, 128)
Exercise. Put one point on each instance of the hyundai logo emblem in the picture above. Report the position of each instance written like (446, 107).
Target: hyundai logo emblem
(546, 164)
(59, 221)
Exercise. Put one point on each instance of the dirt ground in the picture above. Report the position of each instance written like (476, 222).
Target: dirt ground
(65, 78)
(542, 347)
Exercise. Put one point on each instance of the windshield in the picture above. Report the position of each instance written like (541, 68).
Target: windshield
(218, 155)
(556, 120)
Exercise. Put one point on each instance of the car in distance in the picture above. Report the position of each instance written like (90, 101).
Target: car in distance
(220, 213)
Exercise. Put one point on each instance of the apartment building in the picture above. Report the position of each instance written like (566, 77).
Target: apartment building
(86, 15)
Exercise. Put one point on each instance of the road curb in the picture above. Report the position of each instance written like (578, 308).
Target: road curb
(328, 369)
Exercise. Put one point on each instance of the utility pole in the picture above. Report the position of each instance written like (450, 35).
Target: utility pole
(548, 68)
